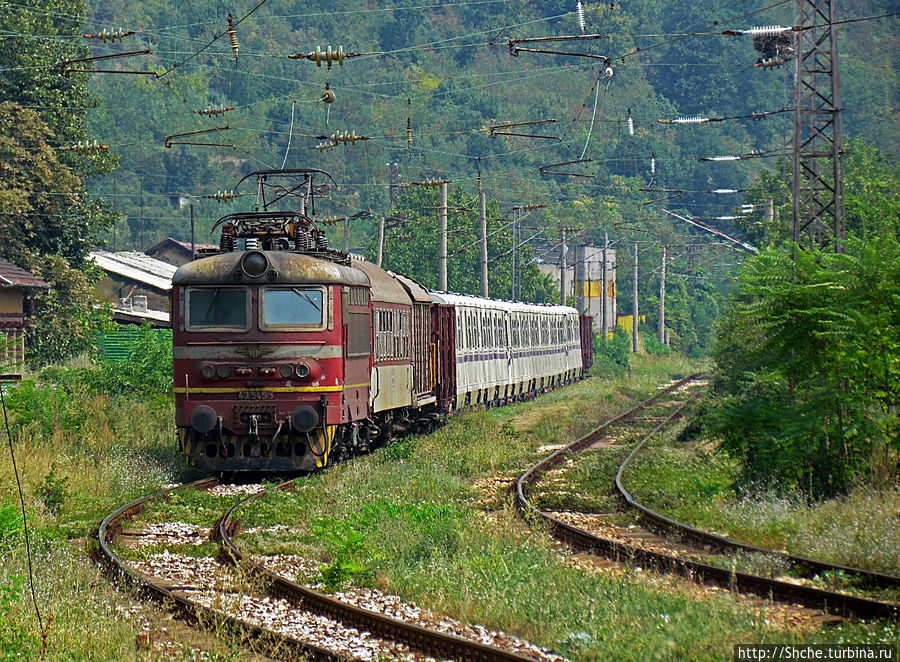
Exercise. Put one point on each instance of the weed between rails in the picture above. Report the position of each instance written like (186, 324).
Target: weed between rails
(410, 520)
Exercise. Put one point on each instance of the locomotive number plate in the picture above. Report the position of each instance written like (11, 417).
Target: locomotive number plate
(254, 395)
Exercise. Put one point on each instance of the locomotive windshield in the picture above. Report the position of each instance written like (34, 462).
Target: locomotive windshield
(217, 308)
(292, 307)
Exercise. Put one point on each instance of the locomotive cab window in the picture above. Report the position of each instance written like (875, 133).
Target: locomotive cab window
(292, 308)
(217, 308)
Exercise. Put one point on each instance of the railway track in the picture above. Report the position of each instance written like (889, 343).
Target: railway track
(693, 553)
(263, 606)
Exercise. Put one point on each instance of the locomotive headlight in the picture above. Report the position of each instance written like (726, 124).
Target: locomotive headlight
(302, 370)
(204, 418)
(305, 418)
(254, 264)
(223, 371)
(208, 370)
(286, 371)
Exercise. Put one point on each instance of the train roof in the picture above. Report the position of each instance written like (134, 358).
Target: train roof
(497, 304)
(281, 267)
(385, 287)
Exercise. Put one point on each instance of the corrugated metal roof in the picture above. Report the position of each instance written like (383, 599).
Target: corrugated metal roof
(138, 267)
(184, 245)
(13, 276)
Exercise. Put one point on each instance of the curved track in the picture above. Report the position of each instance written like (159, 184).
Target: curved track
(432, 642)
(109, 531)
(419, 639)
(829, 601)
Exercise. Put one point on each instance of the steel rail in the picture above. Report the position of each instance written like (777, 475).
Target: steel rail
(828, 601)
(439, 644)
(206, 617)
(804, 564)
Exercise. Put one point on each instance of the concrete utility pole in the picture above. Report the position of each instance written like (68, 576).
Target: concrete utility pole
(604, 303)
(818, 128)
(634, 303)
(193, 242)
(347, 234)
(442, 257)
(662, 299)
(484, 250)
(562, 270)
(769, 211)
(392, 182)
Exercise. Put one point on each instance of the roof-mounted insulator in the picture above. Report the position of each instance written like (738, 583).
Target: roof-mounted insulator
(85, 147)
(579, 10)
(328, 56)
(630, 123)
(232, 35)
(213, 111)
(112, 36)
(770, 62)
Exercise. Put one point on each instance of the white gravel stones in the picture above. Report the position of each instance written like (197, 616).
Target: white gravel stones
(303, 570)
(169, 533)
(236, 490)
(217, 587)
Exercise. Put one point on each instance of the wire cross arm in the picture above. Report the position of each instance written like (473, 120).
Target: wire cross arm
(170, 140)
(65, 66)
(515, 49)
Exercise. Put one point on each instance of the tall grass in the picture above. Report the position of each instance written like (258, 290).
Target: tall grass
(84, 443)
(416, 519)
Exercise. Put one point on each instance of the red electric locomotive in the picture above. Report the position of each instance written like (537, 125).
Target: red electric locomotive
(289, 355)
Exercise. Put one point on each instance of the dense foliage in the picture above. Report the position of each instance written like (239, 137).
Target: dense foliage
(808, 354)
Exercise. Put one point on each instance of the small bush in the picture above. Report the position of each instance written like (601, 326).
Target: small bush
(611, 356)
(54, 491)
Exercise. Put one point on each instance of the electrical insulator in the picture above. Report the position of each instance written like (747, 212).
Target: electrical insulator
(328, 96)
(408, 123)
(330, 220)
(726, 218)
(344, 137)
(770, 62)
(327, 56)
(724, 190)
(223, 196)
(630, 124)
(608, 72)
(324, 147)
(688, 120)
(86, 147)
(232, 35)
(212, 111)
(719, 158)
(579, 9)
(113, 36)
(767, 31)
(652, 165)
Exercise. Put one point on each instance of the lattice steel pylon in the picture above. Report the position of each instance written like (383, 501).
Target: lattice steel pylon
(818, 128)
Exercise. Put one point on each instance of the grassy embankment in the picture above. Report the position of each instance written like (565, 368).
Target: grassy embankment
(688, 479)
(80, 452)
(428, 518)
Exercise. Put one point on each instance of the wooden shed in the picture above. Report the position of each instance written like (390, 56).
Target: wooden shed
(15, 284)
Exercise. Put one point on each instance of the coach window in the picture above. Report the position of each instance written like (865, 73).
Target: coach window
(292, 308)
(218, 309)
